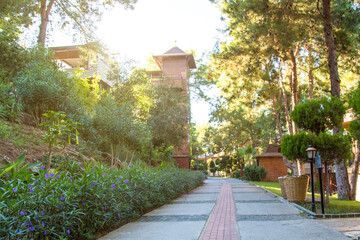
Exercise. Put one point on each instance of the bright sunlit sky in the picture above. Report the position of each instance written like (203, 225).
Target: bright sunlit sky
(153, 27)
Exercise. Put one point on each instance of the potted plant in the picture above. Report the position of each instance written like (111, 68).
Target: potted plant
(293, 148)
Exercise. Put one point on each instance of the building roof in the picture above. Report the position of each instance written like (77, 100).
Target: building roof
(175, 52)
(272, 151)
(69, 55)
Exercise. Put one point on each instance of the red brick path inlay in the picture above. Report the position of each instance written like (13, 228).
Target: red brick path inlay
(222, 221)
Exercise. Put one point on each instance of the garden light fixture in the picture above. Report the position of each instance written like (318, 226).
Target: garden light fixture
(311, 152)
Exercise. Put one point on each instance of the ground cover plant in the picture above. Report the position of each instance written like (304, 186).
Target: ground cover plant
(335, 206)
(76, 202)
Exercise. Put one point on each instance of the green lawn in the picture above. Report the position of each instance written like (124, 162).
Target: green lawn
(336, 206)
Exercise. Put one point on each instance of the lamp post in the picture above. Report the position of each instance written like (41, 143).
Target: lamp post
(311, 152)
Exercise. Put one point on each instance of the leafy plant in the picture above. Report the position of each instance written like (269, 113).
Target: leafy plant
(293, 146)
(254, 173)
(58, 131)
(75, 203)
(17, 169)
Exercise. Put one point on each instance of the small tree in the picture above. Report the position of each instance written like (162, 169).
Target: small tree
(58, 131)
(318, 115)
(332, 147)
(293, 146)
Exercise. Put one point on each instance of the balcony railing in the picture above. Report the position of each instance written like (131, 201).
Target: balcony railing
(174, 80)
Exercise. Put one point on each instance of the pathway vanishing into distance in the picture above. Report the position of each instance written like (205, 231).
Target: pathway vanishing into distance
(225, 209)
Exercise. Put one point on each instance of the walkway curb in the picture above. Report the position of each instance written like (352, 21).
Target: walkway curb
(307, 211)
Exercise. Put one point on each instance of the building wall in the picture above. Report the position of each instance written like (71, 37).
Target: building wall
(275, 167)
(182, 161)
(175, 70)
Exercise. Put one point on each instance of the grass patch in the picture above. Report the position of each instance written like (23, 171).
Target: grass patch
(18, 135)
(273, 187)
(336, 206)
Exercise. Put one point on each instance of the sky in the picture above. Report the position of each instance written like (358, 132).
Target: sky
(155, 26)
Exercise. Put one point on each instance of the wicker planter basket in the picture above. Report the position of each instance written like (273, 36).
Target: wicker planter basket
(296, 188)
(282, 185)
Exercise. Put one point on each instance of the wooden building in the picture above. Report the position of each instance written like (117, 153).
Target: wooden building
(272, 161)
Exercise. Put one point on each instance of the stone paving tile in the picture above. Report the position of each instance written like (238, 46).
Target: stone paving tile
(174, 218)
(265, 209)
(268, 217)
(182, 209)
(197, 197)
(252, 196)
(305, 229)
(222, 221)
(193, 202)
(157, 231)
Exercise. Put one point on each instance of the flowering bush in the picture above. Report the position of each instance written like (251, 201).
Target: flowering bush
(75, 204)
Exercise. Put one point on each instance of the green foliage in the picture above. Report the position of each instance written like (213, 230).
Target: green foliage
(293, 146)
(76, 204)
(254, 173)
(10, 108)
(333, 147)
(168, 118)
(17, 170)
(318, 115)
(58, 131)
(42, 87)
(354, 103)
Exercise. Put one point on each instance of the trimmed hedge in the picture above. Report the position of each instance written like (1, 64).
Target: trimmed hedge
(75, 205)
(254, 173)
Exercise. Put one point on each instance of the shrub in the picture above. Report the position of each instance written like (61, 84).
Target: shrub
(75, 204)
(237, 174)
(254, 173)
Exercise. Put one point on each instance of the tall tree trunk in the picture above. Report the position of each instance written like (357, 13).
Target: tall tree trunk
(112, 153)
(294, 85)
(44, 13)
(327, 185)
(283, 91)
(150, 153)
(310, 72)
(355, 171)
(277, 118)
(341, 170)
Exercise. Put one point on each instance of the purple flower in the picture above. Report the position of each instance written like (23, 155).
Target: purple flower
(31, 228)
(92, 169)
(28, 223)
(61, 207)
(105, 218)
(30, 186)
(52, 174)
(58, 176)
(113, 186)
(135, 187)
(132, 165)
(45, 232)
(22, 213)
(42, 167)
(71, 177)
(84, 203)
(31, 191)
(94, 184)
(126, 181)
(104, 173)
(14, 189)
(42, 213)
(43, 224)
(62, 198)
(68, 231)
(46, 175)
(119, 215)
(37, 218)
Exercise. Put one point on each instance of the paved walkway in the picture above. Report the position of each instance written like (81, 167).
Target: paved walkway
(225, 209)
